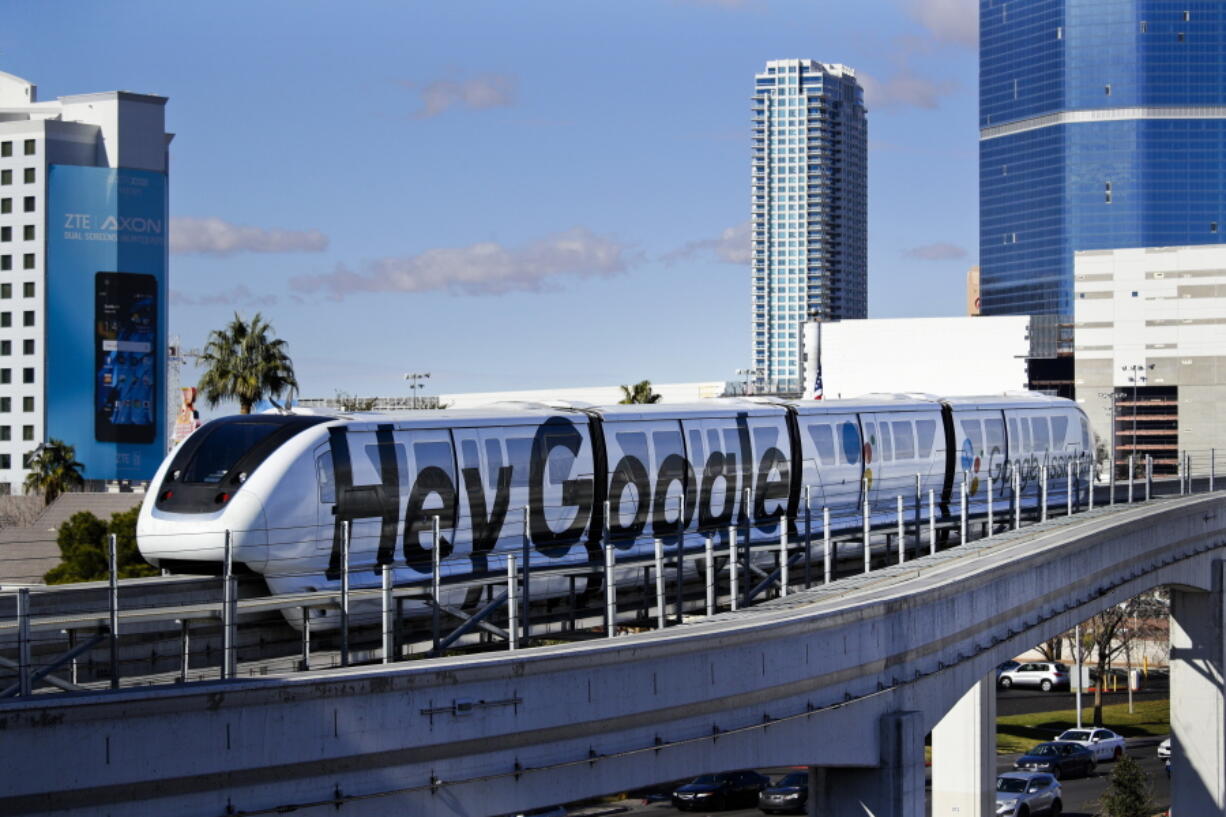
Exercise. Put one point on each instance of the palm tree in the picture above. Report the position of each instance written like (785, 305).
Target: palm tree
(639, 393)
(246, 365)
(53, 470)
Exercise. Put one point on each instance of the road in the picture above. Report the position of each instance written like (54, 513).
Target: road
(1080, 795)
(1028, 701)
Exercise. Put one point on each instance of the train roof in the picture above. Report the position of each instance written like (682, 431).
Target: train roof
(523, 413)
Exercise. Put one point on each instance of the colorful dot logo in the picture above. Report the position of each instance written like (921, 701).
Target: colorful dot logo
(971, 464)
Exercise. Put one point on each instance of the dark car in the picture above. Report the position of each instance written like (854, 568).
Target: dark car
(718, 791)
(1058, 758)
(789, 794)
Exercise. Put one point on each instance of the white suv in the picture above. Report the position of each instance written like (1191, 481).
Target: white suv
(1046, 675)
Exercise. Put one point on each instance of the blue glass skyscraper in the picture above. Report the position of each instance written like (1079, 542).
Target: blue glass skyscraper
(1102, 125)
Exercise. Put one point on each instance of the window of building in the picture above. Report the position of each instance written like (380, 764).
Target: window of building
(29, 147)
(27, 261)
(27, 232)
(27, 175)
(6, 263)
(6, 290)
(1107, 192)
(27, 346)
(6, 462)
(6, 405)
(1213, 226)
(27, 318)
(27, 289)
(1144, 26)
(28, 204)
(6, 348)
(6, 149)
(6, 206)
(27, 433)
(1059, 32)
(27, 375)
(6, 376)
(6, 433)
(6, 233)
(1107, 89)
(6, 320)
(6, 177)
(1179, 37)
(1187, 16)
(27, 404)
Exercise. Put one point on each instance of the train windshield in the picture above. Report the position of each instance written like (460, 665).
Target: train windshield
(222, 449)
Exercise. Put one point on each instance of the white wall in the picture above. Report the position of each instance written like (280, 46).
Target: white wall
(945, 356)
(596, 395)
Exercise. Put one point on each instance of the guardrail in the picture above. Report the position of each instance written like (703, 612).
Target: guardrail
(725, 570)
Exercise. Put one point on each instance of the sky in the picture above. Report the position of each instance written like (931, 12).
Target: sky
(510, 194)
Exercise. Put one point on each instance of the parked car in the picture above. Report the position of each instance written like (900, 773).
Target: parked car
(1060, 760)
(789, 794)
(1105, 744)
(1021, 794)
(1164, 748)
(1046, 675)
(719, 791)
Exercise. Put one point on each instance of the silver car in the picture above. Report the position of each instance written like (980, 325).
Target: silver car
(1021, 794)
(1046, 675)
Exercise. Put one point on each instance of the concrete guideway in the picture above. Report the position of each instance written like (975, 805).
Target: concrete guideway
(847, 679)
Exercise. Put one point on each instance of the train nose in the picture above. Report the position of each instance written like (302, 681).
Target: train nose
(162, 541)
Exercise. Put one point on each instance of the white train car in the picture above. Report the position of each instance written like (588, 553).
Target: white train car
(285, 488)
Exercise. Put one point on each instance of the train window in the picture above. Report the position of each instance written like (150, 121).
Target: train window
(667, 442)
(1014, 440)
(764, 437)
(974, 433)
(904, 442)
(519, 457)
(713, 440)
(823, 440)
(1027, 440)
(886, 442)
(697, 457)
(327, 481)
(1085, 435)
(1059, 431)
(493, 462)
(732, 443)
(402, 460)
(852, 447)
(1042, 437)
(428, 454)
(227, 443)
(633, 444)
(470, 455)
(925, 433)
(995, 430)
(560, 460)
(871, 441)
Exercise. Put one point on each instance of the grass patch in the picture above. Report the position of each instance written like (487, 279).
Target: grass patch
(1017, 733)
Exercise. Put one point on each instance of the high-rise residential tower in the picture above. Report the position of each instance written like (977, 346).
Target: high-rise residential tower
(83, 280)
(810, 209)
(1102, 125)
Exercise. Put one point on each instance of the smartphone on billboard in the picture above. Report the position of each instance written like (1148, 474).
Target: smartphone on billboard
(125, 357)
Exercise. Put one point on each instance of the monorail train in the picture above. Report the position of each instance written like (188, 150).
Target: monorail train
(283, 486)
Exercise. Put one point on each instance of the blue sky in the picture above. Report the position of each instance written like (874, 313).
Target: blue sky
(510, 195)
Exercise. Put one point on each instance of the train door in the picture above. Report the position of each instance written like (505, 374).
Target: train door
(714, 452)
(881, 482)
(433, 493)
(917, 453)
(651, 487)
(772, 463)
(832, 442)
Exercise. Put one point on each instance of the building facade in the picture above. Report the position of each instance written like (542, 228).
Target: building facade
(1102, 125)
(809, 210)
(83, 280)
(1151, 351)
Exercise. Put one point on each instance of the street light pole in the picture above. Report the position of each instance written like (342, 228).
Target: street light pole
(1136, 377)
(415, 383)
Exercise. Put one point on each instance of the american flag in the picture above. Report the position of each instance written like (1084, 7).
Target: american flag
(817, 384)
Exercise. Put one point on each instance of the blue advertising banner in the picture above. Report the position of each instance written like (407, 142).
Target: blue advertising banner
(106, 317)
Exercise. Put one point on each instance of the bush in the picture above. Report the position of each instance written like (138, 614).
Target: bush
(1128, 791)
(84, 549)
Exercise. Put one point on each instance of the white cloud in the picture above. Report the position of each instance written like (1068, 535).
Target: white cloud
(476, 93)
(732, 246)
(950, 21)
(940, 251)
(487, 268)
(212, 236)
(236, 296)
(903, 88)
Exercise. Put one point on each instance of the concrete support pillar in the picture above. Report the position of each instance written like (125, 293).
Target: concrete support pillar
(893, 789)
(964, 755)
(1198, 702)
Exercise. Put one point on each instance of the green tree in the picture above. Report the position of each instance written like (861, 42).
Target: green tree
(639, 393)
(1128, 791)
(246, 364)
(85, 549)
(53, 470)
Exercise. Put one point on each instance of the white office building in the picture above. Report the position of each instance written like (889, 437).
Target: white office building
(112, 147)
(810, 210)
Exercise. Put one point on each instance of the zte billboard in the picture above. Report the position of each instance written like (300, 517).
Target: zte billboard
(106, 317)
